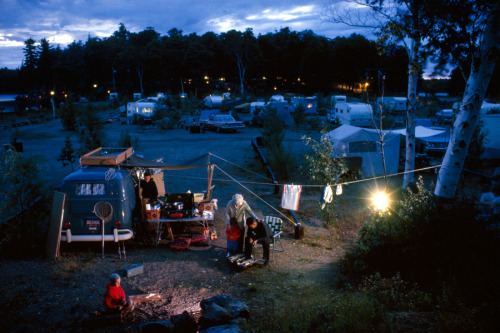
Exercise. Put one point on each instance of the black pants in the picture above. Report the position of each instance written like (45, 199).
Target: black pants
(249, 247)
(241, 241)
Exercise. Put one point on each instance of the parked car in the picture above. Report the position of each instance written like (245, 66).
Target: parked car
(443, 117)
(221, 122)
(89, 185)
(37, 118)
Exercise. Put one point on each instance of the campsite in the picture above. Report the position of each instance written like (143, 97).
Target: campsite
(64, 294)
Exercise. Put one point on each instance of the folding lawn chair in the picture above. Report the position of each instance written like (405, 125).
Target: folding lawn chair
(276, 225)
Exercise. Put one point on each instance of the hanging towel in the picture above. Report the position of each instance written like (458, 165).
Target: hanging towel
(291, 196)
(339, 190)
(327, 196)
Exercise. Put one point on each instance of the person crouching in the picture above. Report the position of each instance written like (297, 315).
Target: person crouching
(114, 297)
(258, 232)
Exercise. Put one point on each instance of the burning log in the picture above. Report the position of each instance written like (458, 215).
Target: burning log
(145, 298)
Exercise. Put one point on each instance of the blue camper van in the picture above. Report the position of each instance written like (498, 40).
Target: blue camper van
(89, 185)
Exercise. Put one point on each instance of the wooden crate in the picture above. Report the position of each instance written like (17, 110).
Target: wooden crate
(106, 156)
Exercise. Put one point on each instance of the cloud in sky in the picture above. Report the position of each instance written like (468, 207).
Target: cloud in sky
(64, 21)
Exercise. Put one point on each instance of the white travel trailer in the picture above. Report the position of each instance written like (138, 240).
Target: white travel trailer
(277, 98)
(144, 107)
(354, 114)
(212, 101)
(335, 99)
(393, 105)
(257, 107)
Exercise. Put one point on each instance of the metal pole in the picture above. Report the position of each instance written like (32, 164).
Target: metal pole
(102, 224)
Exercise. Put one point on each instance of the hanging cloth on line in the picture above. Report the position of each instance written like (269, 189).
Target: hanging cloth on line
(338, 191)
(291, 196)
(327, 196)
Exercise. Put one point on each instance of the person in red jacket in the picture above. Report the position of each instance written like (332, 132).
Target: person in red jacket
(114, 297)
(233, 233)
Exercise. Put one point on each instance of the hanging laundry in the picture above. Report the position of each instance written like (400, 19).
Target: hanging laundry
(338, 191)
(291, 196)
(327, 196)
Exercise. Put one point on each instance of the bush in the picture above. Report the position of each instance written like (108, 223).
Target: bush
(127, 140)
(429, 244)
(166, 123)
(69, 114)
(299, 114)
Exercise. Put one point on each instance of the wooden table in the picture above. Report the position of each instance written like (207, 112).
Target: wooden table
(202, 220)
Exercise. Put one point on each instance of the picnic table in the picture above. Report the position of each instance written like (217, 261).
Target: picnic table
(165, 222)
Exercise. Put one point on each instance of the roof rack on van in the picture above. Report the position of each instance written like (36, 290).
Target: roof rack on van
(106, 156)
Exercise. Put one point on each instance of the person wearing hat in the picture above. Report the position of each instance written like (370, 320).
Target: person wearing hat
(114, 297)
(149, 192)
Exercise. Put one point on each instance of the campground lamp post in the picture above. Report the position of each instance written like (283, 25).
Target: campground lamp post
(53, 105)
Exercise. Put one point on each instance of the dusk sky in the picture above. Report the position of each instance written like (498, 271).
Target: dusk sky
(64, 21)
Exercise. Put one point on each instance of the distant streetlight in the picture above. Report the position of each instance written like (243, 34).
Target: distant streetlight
(95, 85)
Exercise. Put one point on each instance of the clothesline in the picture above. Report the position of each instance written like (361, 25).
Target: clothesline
(312, 185)
(264, 201)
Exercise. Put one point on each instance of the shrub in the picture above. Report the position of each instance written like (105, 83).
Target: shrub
(69, 114)
(357, 312)
(299, 114)
(128, 140)
(395, 294)
(430, 244)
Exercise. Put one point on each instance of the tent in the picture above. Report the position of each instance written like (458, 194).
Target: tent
(429, 140)
(350, 141)
(491, 123)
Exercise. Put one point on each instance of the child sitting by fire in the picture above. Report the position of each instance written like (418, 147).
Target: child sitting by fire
(233, 233)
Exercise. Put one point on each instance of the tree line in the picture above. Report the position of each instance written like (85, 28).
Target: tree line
(147, 62)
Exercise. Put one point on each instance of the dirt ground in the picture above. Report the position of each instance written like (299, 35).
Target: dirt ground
(45, 296)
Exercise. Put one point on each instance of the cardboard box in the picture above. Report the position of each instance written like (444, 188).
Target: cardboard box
(197, 197)
(153, 214)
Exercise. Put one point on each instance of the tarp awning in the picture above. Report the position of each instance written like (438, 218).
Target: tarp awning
(135, 161)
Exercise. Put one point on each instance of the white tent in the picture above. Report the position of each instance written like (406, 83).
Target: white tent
(351, 141)
(420, 132)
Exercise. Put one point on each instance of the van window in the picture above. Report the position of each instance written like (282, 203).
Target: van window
(90, 189)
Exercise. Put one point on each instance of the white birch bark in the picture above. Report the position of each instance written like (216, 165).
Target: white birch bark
(482, 68)
(413, 66)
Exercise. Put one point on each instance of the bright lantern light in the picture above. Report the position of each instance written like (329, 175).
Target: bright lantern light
(380, 201)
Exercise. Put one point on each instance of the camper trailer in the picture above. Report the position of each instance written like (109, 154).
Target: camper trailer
(392, 105)
(335, 99)
(212, 101)
(355, 114)
(310, 104)
(144, 107)
(257, 107)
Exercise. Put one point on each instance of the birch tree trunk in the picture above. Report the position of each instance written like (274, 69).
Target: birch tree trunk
(413, 69)
(483, 64)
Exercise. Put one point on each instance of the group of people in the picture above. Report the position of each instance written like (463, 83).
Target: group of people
(257, 231)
